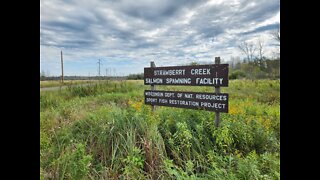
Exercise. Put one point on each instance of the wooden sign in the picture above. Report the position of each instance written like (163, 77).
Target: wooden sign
(197, 75)
(217, 102)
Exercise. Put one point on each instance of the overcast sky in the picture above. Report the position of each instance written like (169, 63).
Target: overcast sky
(127, 34)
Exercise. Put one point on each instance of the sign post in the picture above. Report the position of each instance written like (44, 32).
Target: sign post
(217, 90)
(153, 87)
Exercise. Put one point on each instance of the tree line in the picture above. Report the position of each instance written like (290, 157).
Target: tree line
(255, 65)
(243, 69)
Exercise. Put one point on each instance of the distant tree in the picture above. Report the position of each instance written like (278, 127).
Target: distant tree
(237, 74)
(48, 73)
(276, 35)
(42, 75)
(232, 62)
(252, 70)
(260, 48)
(273, 68)
(244, 61)
(237, 65)
(248, 49)
(193, 63)
(261, 58)
(135, 76)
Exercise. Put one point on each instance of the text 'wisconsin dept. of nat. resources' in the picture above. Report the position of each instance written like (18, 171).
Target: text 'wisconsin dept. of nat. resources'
(193, 100)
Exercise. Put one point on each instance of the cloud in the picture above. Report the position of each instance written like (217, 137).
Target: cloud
(136, 32)
(262, 28)
(155, 11)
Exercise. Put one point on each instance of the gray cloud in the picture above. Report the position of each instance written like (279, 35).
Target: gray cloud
(155, 10)
(169, 31)
(262, 28)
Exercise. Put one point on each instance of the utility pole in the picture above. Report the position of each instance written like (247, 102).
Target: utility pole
(61, 68)
(99, 62)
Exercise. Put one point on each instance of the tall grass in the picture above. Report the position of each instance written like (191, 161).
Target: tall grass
(55, 83)
(105, 131)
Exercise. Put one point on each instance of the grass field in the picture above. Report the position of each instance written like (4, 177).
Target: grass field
(105, 131)
(65, 83)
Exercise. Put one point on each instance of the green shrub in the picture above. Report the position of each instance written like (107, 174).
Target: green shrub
(74, 163)
(248, 168)
(133, 164)
(237, 74)
(223, 139)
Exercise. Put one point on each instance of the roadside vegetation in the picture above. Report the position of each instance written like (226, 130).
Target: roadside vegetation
(105, 131)
(55, 83)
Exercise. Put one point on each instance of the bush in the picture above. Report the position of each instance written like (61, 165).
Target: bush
(135, 76)
(248, 167)
(74, 163)
(237, 74)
